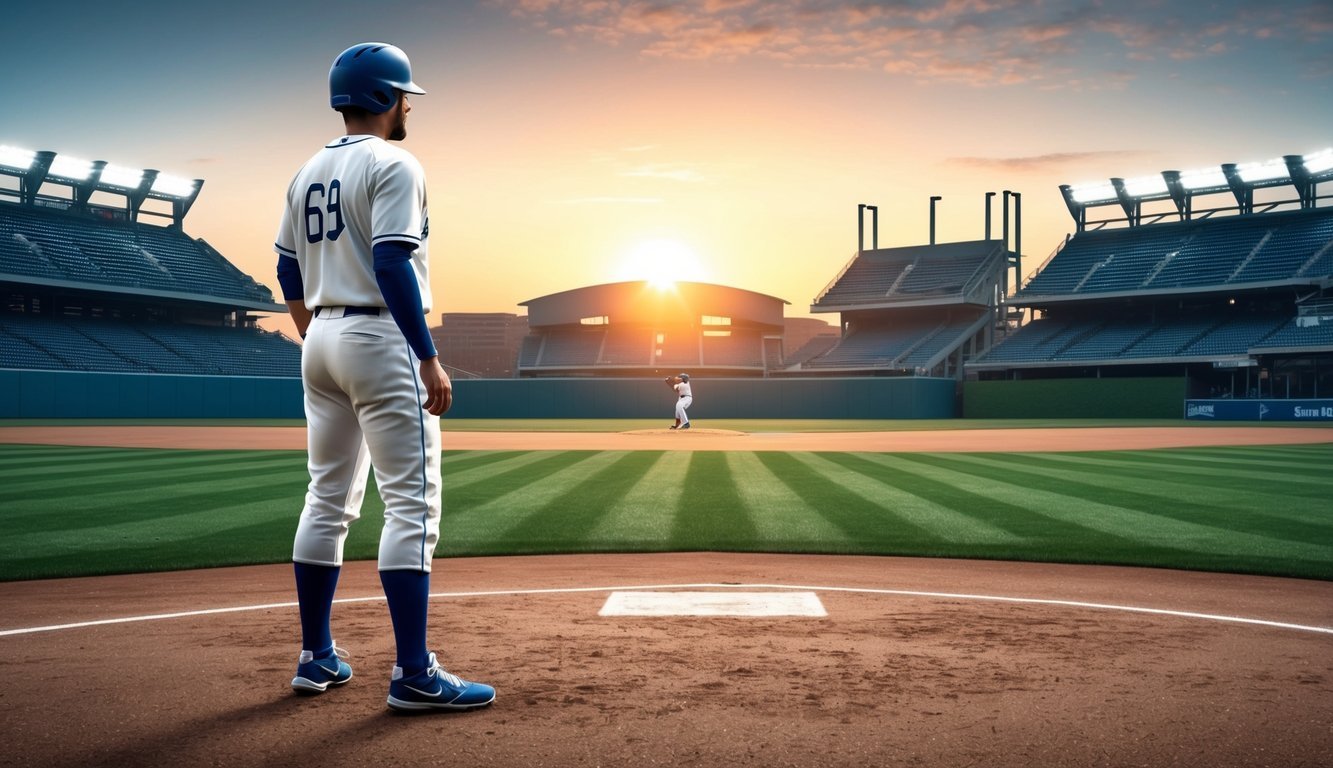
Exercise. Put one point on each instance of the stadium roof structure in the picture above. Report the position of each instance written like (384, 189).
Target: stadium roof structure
(69, 242)
(639, 301)
(34, 169)
(1303, 172)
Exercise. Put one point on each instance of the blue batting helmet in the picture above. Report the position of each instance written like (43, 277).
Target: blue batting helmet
(369, 75)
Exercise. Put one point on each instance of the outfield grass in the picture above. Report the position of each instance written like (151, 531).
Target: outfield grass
(67, 511)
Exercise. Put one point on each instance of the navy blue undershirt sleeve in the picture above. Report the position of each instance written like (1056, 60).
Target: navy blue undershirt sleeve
(289, 278)
(398, 284)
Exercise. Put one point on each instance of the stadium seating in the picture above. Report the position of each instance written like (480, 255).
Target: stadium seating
(529, 350)
(1235, 336)
(1292, 334)
(1170, 337)
(627, 346)
(812, 349)
(740, 349)
(876, 345)
(55, 244)
(943, 338)
(875, 277)
(1207, 335)
(1224, 252)
(93, 344)
(570, 347)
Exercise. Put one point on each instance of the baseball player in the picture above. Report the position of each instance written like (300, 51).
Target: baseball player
(353, 266)
(684, 397)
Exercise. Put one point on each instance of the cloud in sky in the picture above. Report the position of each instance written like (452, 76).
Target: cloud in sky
(608, 200)
(664, 171)
(1040, 163)
(976, 42)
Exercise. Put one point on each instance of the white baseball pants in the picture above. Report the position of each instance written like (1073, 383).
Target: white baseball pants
(363, 399)
(681, 404)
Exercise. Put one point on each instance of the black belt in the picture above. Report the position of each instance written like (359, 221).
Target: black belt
(353, 310)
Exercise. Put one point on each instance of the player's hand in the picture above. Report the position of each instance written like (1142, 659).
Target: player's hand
(439, 391)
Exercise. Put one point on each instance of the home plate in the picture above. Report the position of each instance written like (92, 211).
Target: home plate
(713, 604)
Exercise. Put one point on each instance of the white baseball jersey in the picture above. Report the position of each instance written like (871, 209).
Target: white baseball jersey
(363, 393)
(683, 389)
(356, 192)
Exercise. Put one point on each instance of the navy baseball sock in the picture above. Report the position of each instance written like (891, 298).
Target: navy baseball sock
(314, 590)
(408, 593)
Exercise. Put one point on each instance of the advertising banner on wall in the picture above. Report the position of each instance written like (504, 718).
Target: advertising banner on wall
(1259, 410)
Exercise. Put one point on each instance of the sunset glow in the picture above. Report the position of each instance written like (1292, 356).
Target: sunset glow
(663, 263)
(568, 144)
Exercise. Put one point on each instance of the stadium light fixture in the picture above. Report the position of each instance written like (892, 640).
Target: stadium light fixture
(1094, 193)
(175, 186)
(120, 176)
(1252, 173)
(1318, 162)
(13, 157)
(1203, 178)
(72, 168)
(1146, 186)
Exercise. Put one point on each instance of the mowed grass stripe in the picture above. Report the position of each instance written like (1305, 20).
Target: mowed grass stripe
(464, 493)
(461, 475)
(1092, 510)
(781, 518)
(1044, 534)
(710, 514)
(176, 478)
(1249, 460)
(267, 539)
(567, 521)
(211, 525)
(860, 521)
(479, 513)
(18, 456)
(53, 470)
(936, 519)
(1174, 501)
(643, 517)
(1224, 486)
(79, 512)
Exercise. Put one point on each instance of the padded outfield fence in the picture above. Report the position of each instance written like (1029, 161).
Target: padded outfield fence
(60, 394)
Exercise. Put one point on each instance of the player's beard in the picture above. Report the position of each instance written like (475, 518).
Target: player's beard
(399, 131)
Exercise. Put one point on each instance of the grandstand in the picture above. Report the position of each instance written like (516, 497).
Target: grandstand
(99, 277)
(918, 310)
(1236, 300)
(638, 329)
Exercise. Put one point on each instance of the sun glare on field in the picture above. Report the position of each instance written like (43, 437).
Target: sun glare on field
(663, 263)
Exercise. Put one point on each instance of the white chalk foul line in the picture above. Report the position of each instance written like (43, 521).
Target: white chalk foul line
(576, 590)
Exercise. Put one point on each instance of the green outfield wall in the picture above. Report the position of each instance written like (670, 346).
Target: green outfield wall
(73, 394)
(1128, 398)
(60, 394)
(822, 398)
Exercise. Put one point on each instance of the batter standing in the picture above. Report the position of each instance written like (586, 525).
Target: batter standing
(353, 265)
(684, 398)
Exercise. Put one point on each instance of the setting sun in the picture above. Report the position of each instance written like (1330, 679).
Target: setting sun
(662, 263)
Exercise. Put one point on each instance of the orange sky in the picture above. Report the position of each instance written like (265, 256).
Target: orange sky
(558, 137)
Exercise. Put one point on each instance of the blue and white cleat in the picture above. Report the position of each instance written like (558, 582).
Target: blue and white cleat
(435, 688)
(316, 675)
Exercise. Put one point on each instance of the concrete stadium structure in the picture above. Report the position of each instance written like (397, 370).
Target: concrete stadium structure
(640, 329)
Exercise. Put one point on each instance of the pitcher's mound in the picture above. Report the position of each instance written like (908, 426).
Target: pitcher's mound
(686, 432)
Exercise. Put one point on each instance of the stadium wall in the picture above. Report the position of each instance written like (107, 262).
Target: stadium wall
(1127, 398)
(70, 394)
(740, 398)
